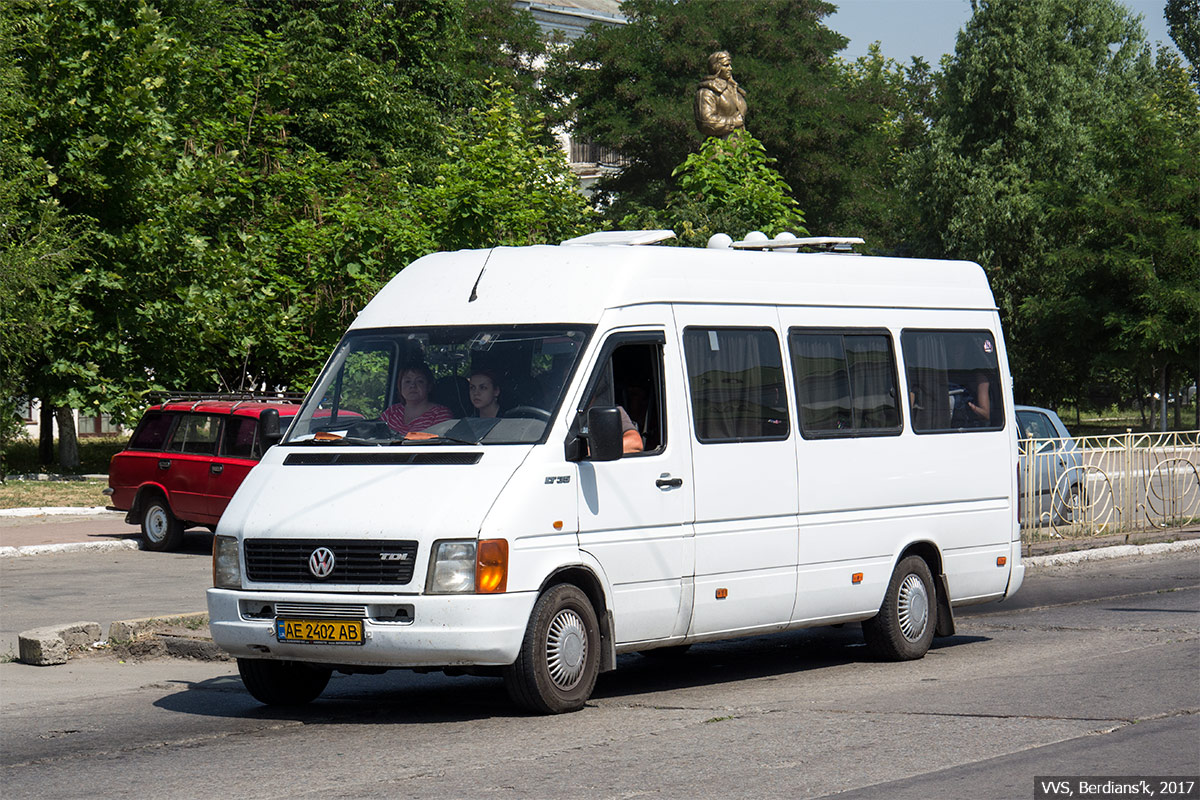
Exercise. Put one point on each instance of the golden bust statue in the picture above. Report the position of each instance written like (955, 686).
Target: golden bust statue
(720, 102)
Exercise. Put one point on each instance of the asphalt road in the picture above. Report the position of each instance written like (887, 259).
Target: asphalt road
(1090, 669)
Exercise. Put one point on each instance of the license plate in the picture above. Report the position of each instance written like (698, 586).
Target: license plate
(319, 631)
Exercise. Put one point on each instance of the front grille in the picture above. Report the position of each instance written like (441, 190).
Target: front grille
(355, 561)
(331, 610)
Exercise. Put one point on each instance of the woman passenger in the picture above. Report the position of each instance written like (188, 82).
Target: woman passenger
(484, 389)
(415, 411)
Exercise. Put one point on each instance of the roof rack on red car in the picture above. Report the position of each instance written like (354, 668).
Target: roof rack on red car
(235, 397)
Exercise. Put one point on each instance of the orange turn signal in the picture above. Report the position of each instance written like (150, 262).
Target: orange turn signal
(856, 578)
(491, 566)
(722, 594)
(1001, 561)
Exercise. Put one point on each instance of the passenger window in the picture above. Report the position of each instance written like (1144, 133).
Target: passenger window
(845, 383)
(736, 380)
(953, 381)
(240, 438)
(151, 433)
(632, 379)
(196, 433)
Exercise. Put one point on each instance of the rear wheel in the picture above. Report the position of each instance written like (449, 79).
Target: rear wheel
(283, 683)
(1073, 505)
(560, 657)
(903, 628)
(161, 531)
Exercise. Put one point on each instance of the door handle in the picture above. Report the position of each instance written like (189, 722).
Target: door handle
(665, 482)
(164, 463)
(216, 469)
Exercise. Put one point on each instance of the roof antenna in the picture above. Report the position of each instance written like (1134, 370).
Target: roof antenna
(474, 289)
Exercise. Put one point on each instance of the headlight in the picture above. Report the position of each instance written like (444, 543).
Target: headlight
(227, 564)
(468, 566)
(453, 568)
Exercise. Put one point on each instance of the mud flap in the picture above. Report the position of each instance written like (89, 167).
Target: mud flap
(945, 618)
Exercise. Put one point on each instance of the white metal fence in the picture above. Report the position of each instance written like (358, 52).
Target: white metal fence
(1103, 485)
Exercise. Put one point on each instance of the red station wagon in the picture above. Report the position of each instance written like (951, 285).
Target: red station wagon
(185, 461)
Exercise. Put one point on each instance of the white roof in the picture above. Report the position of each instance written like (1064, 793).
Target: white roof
(550, 283)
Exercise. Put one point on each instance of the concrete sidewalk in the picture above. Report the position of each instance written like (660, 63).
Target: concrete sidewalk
(34, 531)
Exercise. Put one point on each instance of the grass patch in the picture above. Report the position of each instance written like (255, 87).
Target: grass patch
(36, 494)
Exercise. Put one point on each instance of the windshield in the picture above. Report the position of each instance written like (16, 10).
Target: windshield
(460, 384)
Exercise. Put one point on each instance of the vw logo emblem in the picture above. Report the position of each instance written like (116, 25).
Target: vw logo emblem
(320, 563)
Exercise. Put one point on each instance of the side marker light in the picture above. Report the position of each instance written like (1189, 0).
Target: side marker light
(856, 578)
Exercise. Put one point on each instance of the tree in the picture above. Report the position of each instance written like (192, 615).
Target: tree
(728, 187)
(632, 87)
(251, 173)
(1183, 23)
(1017, 134)
(1136, 245)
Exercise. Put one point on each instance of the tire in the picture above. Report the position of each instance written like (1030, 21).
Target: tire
(161, 531)
(283, 683)
(1074, 505)
(556, 669)
(903, 628)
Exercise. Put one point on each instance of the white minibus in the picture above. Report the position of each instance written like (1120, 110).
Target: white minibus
(525, 461)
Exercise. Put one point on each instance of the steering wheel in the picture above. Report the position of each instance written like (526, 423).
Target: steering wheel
(527, 412)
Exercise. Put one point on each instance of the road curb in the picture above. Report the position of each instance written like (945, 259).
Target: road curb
(1104, 553)
(139, 638)
(65, 511)
(69, 547)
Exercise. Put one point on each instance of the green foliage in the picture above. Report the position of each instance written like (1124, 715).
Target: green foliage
(1183, 23)
(500, 185)
(728, 187)
(1017, 134)
(632, 88)
(241, 178)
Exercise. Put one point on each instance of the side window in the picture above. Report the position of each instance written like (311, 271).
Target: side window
(151, 433)
(845, 383)
(736, 381)
(1037, 426)
(196, 433)
(240, 439)
(631, 378)
(953, 381)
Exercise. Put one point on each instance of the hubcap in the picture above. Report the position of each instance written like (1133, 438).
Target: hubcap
(156, 523)
(566, 649)
(913, 607)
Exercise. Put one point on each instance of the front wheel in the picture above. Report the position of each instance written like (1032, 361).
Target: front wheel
(559, 660)
(161, 531)
(282, 683)
(903, 628)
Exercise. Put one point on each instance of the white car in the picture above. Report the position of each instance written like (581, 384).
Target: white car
(1057, 482)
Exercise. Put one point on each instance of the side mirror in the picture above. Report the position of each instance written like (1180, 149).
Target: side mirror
(268, 427)
(604, 433)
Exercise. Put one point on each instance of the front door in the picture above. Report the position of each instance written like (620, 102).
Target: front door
(635, 513)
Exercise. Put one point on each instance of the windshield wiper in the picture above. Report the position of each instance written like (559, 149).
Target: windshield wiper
(468, 430)
(436, 438)
(339, 440)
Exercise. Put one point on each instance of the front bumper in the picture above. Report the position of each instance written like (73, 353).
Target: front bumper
(443, 630)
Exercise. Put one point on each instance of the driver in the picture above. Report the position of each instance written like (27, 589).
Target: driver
(414, 411)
